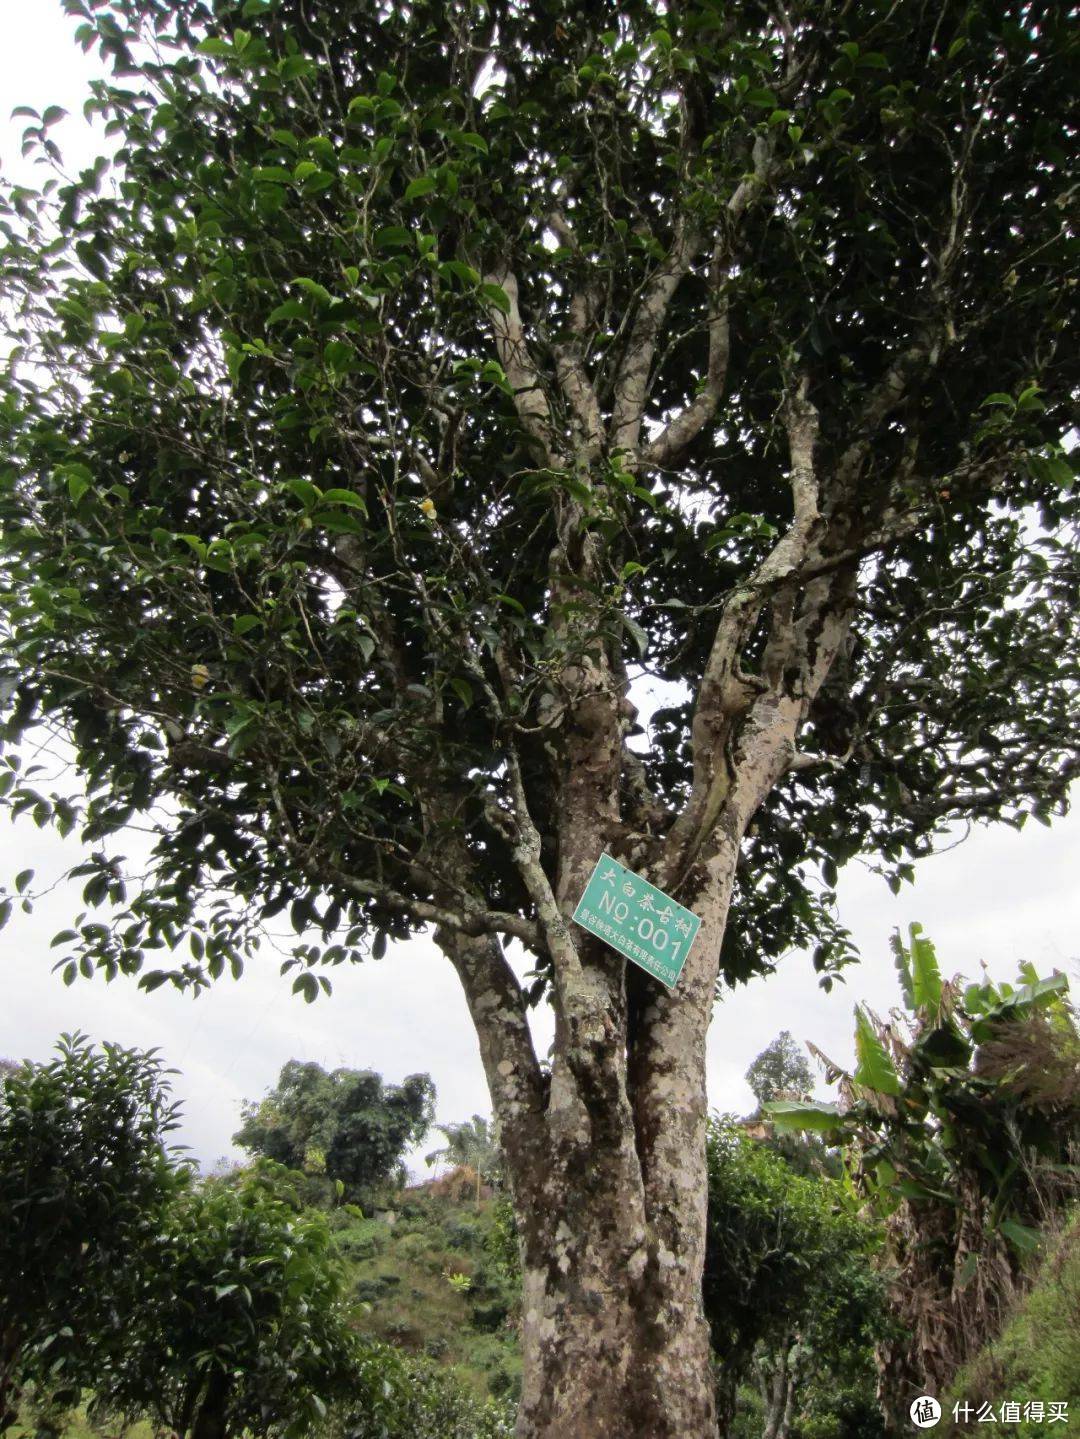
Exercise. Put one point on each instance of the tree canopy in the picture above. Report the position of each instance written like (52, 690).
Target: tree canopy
(789, 1278)
(85, 1178)
(780, 1067)
(367, 389)
(215, 1307)
(245, 1328)
(347, 1124)
(473, 1142)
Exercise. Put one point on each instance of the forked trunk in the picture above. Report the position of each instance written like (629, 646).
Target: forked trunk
(605, 1152)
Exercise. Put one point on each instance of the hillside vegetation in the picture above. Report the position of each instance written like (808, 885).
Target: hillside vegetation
(429, 1277)
(1037, 1356)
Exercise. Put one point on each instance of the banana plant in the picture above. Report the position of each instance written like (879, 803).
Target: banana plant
(957, 1126)
(924, 1106)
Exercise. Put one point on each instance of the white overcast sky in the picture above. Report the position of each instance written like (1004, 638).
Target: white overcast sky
(996, 899)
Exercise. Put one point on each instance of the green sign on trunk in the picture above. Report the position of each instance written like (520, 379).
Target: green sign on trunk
(637, 919)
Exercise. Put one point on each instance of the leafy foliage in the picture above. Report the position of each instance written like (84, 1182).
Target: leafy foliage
(1038, 1352)
(781, 1066)
(85, 1179)
(789, 1281)
(277, 534)
(346, 1124)
(432, 1404)
(214, 1307)
(959, 1126)
(246, 1329)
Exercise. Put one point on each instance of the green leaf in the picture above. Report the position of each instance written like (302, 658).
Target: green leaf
(469, 140)
(305, 492)
(338, 354)
(637, 634)
(337, 522)
(277, 174)
(308, 986)
(421, 186)
(512, 602)
(913, 1189)
(463, 690)
(496, 295)
(1025, 1239)
(967, 1271)
(344, 497)
(458, 270)
(792, 1115)
(289, 310)
(312, 287)
(926, 984)
(392, 237)
(79, 480)
(875, 1069)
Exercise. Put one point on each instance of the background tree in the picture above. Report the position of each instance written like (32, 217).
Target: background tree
(780, 1068)
(424, 375)
(346, 1124)
(85, 1178)
(246, 1330)
(793, 1300)
(960, 1126)
(471, 1143)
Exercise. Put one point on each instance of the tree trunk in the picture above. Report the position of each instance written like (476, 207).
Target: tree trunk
(211, 1420)
(613, 1347)
(774, 1388)
(605, 1154)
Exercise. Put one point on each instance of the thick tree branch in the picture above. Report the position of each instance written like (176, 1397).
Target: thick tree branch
(672, 441)
(885, 398)
(497, 1007)
(573, 377)
(632, 383)
(530, 399)
(632, 380)
(726, 692)
(467, 921)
